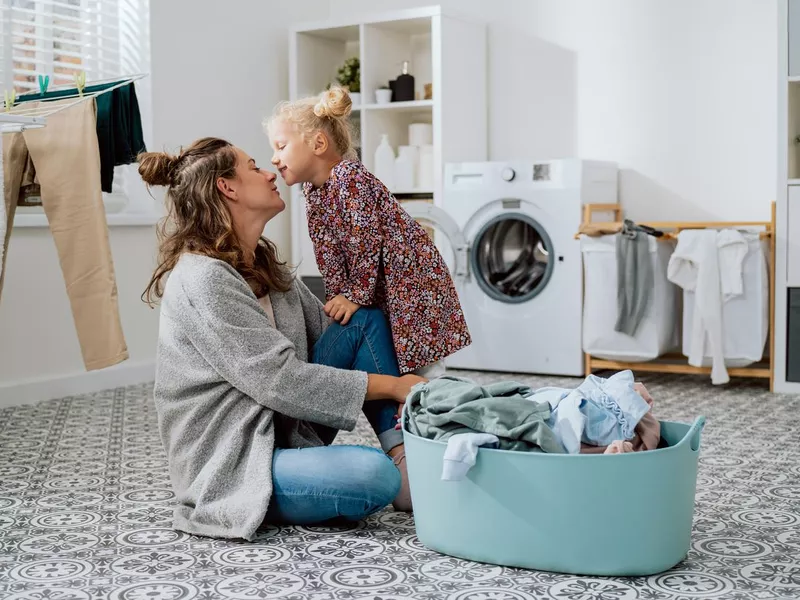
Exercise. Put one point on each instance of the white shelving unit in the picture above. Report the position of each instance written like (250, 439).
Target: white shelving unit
(787, 213)
(442, 49)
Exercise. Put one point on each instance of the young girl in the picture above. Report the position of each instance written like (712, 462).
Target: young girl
(369, 250)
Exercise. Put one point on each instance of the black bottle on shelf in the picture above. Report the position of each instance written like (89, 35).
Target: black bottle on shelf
(404, 86)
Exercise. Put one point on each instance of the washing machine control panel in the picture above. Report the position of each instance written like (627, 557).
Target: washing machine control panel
(541, 172)
(508, 174)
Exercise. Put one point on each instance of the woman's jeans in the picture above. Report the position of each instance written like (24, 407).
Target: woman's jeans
(313, 485)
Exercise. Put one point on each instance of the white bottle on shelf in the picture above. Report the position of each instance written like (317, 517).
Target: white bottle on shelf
(412, 154)
(404, 170)
(384, 162)
(425, 179)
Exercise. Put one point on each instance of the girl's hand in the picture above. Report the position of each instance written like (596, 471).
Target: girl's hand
(340, 309)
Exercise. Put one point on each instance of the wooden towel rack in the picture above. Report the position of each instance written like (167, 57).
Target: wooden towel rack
(676, 363)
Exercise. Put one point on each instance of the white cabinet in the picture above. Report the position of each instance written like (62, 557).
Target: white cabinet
(793, 237)
(442, 50)
(794, 38)
(787, 214)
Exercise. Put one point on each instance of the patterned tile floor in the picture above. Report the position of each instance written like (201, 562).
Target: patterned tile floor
(85, 512)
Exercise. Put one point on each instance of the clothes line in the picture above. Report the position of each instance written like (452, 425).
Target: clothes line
(43, 108)
(12, 122)
(670, 229)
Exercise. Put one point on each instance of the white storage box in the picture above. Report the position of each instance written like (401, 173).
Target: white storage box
(658, 332)
(745, 318)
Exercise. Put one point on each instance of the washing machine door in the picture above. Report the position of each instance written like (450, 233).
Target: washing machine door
(427, 212)
(512, 256)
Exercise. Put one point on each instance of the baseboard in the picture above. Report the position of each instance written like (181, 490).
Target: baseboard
(27, 392)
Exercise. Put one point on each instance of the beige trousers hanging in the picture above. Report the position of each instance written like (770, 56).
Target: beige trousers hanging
(66, 158)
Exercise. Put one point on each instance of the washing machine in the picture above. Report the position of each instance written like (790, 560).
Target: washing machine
(507, 231)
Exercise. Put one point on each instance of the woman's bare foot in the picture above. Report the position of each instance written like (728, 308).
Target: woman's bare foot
(403, 500)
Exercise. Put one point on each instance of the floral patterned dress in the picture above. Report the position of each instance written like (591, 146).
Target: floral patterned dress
(374, 253)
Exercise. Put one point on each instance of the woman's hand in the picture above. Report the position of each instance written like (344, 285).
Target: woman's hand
(340, 309)
(403, 386)
(386, 387)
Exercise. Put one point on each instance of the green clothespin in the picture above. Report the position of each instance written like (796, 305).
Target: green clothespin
(44, 81)
(10, 98)
(80, 82)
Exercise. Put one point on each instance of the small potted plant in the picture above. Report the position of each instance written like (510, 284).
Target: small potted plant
(383, 95)
(349, 76)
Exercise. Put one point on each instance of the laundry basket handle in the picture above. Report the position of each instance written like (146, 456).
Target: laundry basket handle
(692, 436)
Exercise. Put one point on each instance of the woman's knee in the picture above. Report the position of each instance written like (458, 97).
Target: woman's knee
(318, 484)
(377, 476)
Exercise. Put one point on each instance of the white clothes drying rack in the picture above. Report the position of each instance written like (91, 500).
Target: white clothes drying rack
(10, 123)
(35, 113)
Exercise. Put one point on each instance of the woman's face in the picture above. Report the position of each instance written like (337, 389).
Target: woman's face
(254, 188)
(292, 156)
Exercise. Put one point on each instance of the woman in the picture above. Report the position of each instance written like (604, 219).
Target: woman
(244, 418)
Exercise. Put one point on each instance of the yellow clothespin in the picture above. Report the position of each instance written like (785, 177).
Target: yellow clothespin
(10, 98)
(80, 82)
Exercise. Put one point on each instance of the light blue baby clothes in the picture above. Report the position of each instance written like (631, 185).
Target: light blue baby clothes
(597, 412)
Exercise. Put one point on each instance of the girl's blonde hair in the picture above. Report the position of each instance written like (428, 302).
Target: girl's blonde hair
(329, 113)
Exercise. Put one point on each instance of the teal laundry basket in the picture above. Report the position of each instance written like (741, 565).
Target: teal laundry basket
(624, 514)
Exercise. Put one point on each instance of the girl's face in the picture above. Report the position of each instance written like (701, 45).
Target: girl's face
(293, 157)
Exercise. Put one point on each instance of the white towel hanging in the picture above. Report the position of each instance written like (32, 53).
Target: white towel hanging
(697, 265)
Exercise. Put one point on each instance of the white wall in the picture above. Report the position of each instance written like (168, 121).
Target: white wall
(37, 334)
(681, 93)
(219, 71)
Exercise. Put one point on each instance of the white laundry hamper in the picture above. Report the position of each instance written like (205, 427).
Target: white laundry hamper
(658, 332)
(745, 318)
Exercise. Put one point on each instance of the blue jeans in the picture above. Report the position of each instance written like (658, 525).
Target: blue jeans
(365, 344)
(314, 485)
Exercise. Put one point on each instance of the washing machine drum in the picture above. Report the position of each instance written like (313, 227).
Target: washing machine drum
(512, 258)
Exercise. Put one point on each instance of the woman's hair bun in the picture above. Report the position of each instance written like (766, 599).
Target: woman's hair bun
(334, 103)
(157, 168)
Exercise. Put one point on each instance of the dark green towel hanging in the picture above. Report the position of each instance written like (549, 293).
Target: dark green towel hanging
(119, 125)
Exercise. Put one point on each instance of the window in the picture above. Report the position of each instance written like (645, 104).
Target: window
(61, 38)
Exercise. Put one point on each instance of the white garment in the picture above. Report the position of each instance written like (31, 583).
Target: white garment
(732, 248)
(462, 452)
(698, 263)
